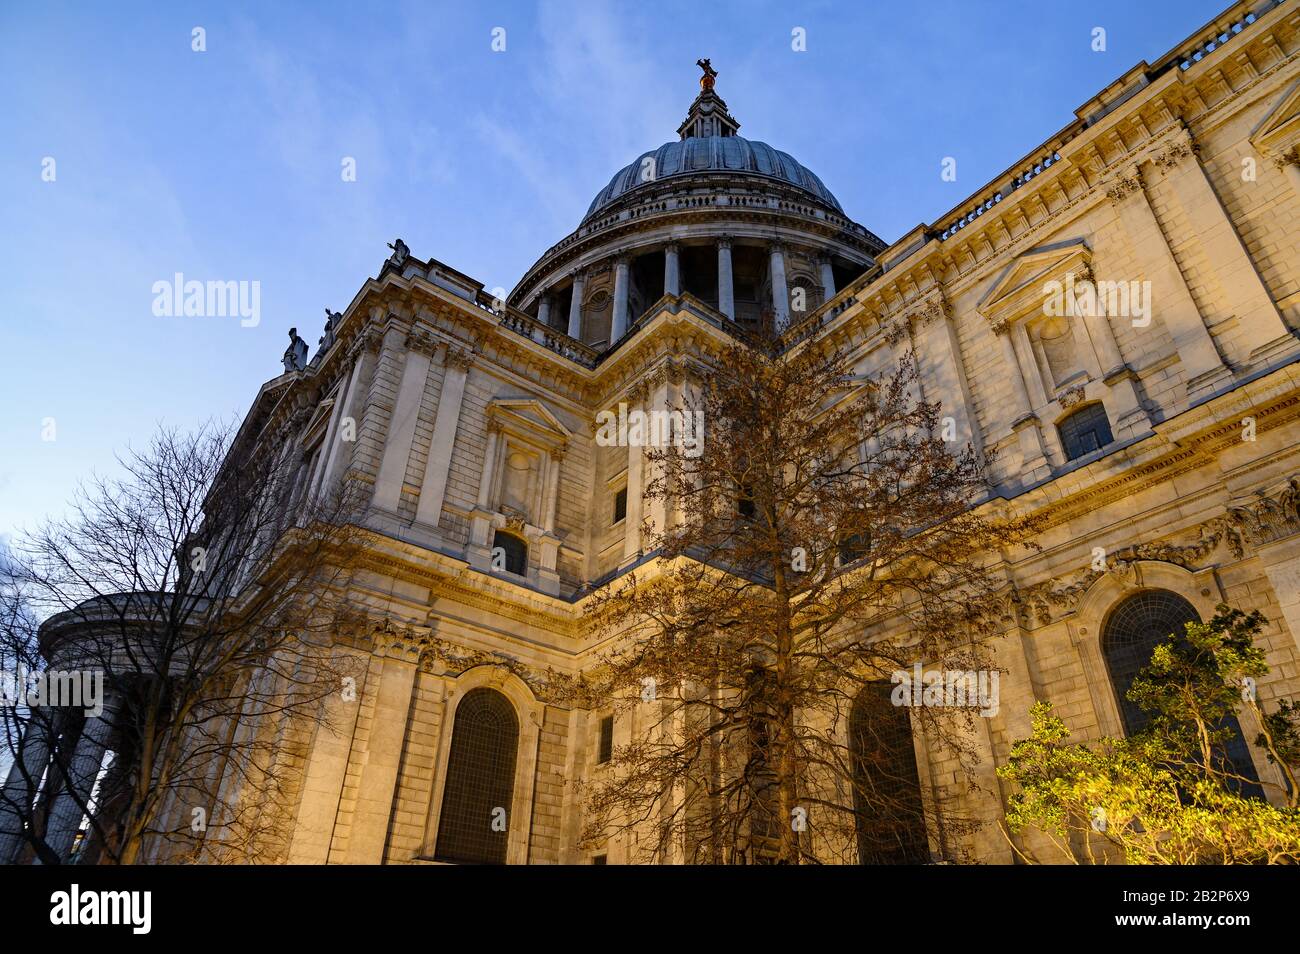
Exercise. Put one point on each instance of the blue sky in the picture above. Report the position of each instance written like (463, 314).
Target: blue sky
(225, 164)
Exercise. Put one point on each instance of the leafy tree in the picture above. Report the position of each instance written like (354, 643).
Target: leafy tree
(1167, 794)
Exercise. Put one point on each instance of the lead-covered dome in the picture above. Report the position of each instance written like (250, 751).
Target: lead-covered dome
(728, 154)
(711, 220)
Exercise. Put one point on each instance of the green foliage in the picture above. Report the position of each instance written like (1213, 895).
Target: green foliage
(1165, 795)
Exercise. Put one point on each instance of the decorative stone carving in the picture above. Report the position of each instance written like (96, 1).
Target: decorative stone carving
(931, 307)
(384, 637)
(441, 656)
(460, 358)
(515, 519)
(369, 339)
(419, 339)
(1268, 519)
(1072, 396)
(1124, 185)
(401, 252)
(332, 319)
(1176, 152)
(295, 356)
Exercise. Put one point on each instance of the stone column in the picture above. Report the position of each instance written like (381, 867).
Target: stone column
(672, 271)
(660, 400)
(575, 306)
(552, 489)
(1123, 406)
(364, 355)
(1019, 396)
(83, 770)
(481, 521)
(1023, 421)
(1028, 366)
(635, 472)
(1102, 336)
(1290, 166)
(433, 489)
(828, 278)
(544, 310)
(780, 292)
(1201, 362)
(383, 756)
(1262, 329)
(489, 465)
(327, 766)
(1281, 562)
(726, 290)
(681, 397)
(401, 428)
(618, 326)
(31, 753)
(548, 551)
(943, 371)
(327, 443)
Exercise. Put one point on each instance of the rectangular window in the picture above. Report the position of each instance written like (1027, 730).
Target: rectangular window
(620, 505)
(600, 860)
(745, 504)
(605, 751)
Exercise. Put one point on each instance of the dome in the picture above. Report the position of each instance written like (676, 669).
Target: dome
(712, 154)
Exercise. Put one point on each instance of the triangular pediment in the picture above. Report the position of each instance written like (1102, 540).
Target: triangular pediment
(527, 417)
(315, 428)
(1279, 132)
(1020, 287)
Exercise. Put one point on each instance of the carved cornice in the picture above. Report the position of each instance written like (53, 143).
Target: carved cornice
(1267, 519)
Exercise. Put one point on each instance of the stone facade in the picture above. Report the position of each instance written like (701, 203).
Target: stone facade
(474, 417)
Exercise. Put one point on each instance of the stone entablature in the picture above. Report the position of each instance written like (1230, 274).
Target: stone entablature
(1179, 500)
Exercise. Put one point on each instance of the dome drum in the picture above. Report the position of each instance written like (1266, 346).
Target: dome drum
(743, 227)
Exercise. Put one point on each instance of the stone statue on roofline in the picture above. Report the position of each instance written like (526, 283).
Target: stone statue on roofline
(400, 253)
(332, 319)
(295, 356)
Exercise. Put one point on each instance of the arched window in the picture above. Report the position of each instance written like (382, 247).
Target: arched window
(887, 807)
(476, 800)
(1134, 629)
(513, 550)
(1084, 431)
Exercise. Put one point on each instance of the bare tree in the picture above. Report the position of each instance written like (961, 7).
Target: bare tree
(201, 589)
(826, 537)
